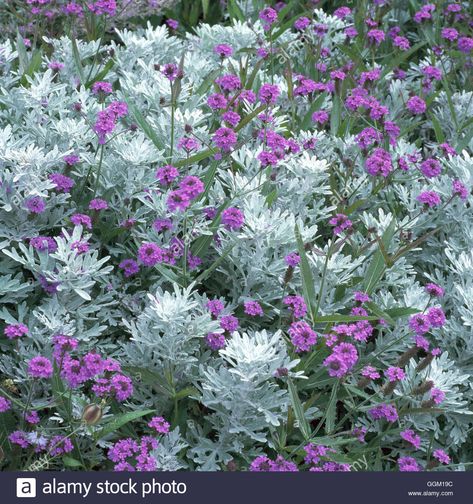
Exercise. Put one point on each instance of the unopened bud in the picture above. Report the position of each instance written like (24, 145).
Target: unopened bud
(389, 387)
(428, 404)
(363, 382)
(406, 356)
(92, 414)
(432, 464)
(425, 362)
(288, 274)
(423, 387)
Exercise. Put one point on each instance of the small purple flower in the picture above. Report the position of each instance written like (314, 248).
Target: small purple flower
(40, 367)
(150, 254)
(379, 163)
(233, 218)
(387, 411)
(228, 82)
(341, 223)
(441, 456)
(394, 374)
(103, 88)
(192, 186)
(13, 331)
(269, 16)
(225, 139)
(32, 417)
(59, 445)
(297, 305)
(431, 167)
(361, 297)
(170, 71)
(5, 404)
(122, 387)
(223, 50)
(342, 12)
(375, 36)
(229, 323)
(57, 66)
(80, 246)
(81, 220)
(370, 372)
(449, 34)
(408, 464)
(302, 336)
(98, 204)
(302, 23)
(19, 438)
(177, 200)
(71, 159)
(35, 205)
(231, 118)
(159, 425)
(416, 105)
(166, 174)
(253, 308)
(437, 395)
(436, 317)
(320, 116)
(429, 198)
(215, 341)
(401, 42)
(217, 101)
(465, 44)
(215, 307)
(172, 23)
(434, 290)
(129, 266)
(419, 324)
(292, 259)
(62, 182)
(458, 189)
(347, 352)
(336, 365)
(268, 93)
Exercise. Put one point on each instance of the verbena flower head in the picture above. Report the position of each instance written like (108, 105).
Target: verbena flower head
(253, 308)
(297, 305)
(13, 331)
(223, 50)
(62, 182)
(416, 105)
(5, 404)
(411, 437)
(379, 163)
(441, 456)
(292, 259)
(150, 254)
(269, 93)
(159, 425)
(40, 367)
(408, 464)
(303, 337)
(233, 218)
(35, 205)
(429, 198)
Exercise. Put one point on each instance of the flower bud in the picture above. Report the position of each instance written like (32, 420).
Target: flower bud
(423, 387)
(92, 414)
(406, 356)
(425, 362)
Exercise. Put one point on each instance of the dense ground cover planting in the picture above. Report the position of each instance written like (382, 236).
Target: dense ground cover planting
(245, 245)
